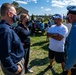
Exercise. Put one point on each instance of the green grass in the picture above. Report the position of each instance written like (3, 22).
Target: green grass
(39, 57)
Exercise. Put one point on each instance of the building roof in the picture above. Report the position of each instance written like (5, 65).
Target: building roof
(21, 10)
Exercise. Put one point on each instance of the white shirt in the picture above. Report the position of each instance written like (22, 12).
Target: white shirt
(56, 45)
(68, 25)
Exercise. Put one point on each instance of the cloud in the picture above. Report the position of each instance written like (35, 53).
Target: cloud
(73, 2)
(45, 9)
(34, 1)
(42, 7)
(25, 1)
(62, 3)
(31, 1)
(58, 3)
(47, 1)
(21, 2)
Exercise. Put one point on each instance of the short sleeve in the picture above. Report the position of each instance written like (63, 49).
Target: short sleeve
(64, 31)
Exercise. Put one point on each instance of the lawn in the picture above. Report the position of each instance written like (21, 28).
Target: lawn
(39, 57)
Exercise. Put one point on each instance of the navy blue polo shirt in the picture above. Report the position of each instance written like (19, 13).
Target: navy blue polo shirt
(24, 34)
(11, 49)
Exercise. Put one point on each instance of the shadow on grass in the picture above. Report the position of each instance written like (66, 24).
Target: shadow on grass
(46, 69)
(45, 47)
(39, 43)
(37, 34)
(39, 62)
(43, 72)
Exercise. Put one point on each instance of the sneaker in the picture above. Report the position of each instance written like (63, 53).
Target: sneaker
(28, 71)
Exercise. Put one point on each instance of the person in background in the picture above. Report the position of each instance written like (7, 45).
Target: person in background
(24, 34)
(57, 35)
(33, 27)
(68, 24)
(46, 29)
(11, 49)
(70, 63)
(42, 26)
(49, 22)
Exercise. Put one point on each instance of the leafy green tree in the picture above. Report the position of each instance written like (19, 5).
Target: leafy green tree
(15, 4)
(32, 17)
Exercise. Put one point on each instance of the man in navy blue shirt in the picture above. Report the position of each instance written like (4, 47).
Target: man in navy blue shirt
(70, 63)
(11, 49)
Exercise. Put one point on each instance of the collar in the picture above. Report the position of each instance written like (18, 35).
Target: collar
(4, 22)
(22, 26)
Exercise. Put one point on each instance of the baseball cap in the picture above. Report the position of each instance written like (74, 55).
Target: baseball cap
(57, 16)
(71, 9)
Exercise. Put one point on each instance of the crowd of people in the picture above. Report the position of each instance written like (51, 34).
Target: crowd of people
(15, 41)
(38, 25)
